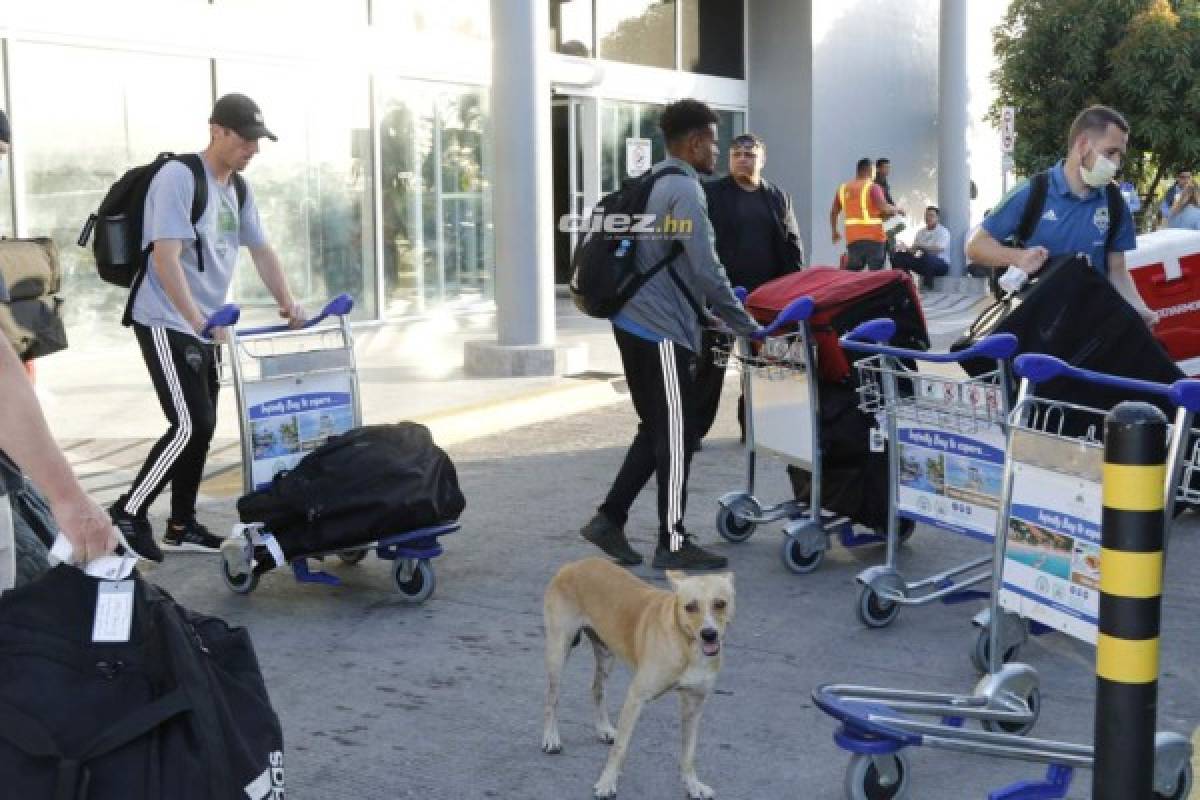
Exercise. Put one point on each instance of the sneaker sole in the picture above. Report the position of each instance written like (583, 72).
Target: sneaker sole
(188, 547)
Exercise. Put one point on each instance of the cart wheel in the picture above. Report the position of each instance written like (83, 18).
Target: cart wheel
(983, 648)
(354, 556)
(239, 584)
(1183, 786)
(1033, 701)
(875, 611)
(905, 530)
(732, 527)
(863, 781)
(417, 587)
(797, 561)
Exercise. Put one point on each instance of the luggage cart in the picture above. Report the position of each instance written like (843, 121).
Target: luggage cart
(1042, 465)
(945, 459)
(783, 419)
(294, 390)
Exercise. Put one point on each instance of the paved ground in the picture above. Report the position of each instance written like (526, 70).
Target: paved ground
(383, 700)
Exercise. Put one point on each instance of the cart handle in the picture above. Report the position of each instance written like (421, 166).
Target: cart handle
(871, 336)
(223, 317)
(1185, 393)
(741, 293)
(797, 311)
(339, 306)
(1039, 368)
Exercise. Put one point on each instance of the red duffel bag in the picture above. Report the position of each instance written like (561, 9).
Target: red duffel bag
(843, 300)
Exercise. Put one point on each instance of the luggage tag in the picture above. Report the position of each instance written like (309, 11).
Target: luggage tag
(114, 612)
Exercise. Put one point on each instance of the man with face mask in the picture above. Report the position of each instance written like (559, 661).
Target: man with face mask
(1075, 215)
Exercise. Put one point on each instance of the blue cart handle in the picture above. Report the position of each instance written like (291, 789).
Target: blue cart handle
(1039, 368)
(224, 317)
(871, 337)
(795, 312)
(1186, 394)
(741, 294)
(339, 306)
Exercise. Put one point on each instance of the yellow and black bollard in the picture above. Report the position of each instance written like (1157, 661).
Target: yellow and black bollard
(1131, 569)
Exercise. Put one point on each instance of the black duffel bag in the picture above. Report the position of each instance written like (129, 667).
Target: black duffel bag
(179, 712)
(1070, 310)
(368, 483)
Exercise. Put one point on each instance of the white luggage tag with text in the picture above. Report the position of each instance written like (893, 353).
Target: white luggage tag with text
(114, 611)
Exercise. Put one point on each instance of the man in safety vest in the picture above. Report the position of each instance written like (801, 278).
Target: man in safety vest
(863, 202)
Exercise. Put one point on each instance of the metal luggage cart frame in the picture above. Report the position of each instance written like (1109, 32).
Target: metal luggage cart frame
(269, 368)
(961, 416)
(878, 723)
(779, 384)
(1037, 431)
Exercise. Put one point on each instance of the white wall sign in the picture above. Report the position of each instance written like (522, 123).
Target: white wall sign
(1008, 128)
(637, 156)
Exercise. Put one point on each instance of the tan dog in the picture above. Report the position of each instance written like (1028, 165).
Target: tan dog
(671, 639)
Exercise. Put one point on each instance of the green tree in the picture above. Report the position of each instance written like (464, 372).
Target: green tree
(1142, 57)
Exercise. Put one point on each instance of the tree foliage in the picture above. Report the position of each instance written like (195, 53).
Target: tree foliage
(1142, 57)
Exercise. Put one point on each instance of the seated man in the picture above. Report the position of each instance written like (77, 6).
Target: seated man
(926, 257)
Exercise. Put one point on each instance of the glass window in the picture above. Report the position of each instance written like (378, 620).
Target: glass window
(145, 104)
(637, 31)
(313, 186)
(729, 125)
(571, 26)
(346, 12)
(466, 19)
(620, 121)
(713, 37)
(6, 209)
(435, 169)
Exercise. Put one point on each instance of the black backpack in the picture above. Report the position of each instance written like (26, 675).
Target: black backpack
(604, 270)
(1039, 186)
(367, 483)
(179, 712)
(119, 221)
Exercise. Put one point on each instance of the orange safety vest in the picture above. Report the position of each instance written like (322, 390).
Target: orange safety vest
(863, 220)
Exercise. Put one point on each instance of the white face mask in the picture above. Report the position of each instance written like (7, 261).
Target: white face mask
(1101, 173)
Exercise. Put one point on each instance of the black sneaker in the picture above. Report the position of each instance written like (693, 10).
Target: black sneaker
(688, 556)
(138, 532)
(610, 537)
(191, 537)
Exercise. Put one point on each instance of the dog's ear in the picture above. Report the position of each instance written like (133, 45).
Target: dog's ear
(728, 576)
(674, 577)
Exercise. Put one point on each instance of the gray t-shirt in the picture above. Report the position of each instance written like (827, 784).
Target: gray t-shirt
(222, 231)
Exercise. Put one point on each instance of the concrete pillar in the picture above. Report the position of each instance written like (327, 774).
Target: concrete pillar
(954, 187)
(523, 199)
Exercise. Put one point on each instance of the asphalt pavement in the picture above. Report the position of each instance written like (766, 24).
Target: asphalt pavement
(380, 699)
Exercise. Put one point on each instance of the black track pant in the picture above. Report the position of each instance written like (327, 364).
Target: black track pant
(709, 381)
(660, 382)
(184, 372)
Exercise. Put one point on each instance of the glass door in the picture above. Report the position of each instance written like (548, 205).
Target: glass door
(570, 199)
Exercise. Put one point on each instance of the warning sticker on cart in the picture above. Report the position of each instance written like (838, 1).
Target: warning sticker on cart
(951, 480)
(287, 419)
(1052, 556)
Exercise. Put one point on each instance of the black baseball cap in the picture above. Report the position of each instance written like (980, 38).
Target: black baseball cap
(241, 115)
(5, 131)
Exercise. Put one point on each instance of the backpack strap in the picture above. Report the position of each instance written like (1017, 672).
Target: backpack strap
(675, 252)
(199, 199)
(1116, 216)
(1039, 187)
(31, 737)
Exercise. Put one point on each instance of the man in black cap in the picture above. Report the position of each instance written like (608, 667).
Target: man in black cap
(172, 306)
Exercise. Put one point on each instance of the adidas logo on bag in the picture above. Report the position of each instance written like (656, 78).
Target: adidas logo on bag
(269, 785)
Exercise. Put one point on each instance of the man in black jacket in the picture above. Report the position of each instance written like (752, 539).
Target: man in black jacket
(757, 239)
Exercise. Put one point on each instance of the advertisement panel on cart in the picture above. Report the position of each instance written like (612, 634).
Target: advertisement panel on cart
(289, 417)
(1052, 558)
(951, 462)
